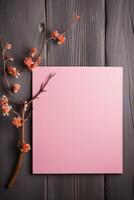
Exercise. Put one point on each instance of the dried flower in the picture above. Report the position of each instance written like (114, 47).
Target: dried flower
(3, 100)
(54, 34)
(13, 71)
(8, 46)
(77, 17)
(17, 122)
(61, 39)
(32, 63)
(16, 87)
(33, 52)
(33, 66)
(25, 148)
(28, 61)
(6, 109)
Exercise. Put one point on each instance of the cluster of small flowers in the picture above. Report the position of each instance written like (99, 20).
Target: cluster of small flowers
(17, 121)
(4, 105)
(25, 147)
(11, 70)
(6, 108)
(33, 60)
(60, 38)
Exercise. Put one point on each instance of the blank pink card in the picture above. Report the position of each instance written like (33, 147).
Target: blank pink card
(77, 123)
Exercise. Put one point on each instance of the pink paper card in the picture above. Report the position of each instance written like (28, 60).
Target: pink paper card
(77, 123)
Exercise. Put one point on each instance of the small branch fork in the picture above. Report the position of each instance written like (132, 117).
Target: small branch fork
(42, 88)
(22, 132)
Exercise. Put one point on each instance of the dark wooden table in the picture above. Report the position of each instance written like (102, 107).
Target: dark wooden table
(104, 36)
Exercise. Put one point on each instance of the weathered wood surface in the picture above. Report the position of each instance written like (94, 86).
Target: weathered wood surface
(104, 35)
(119, 51)
(20, 25)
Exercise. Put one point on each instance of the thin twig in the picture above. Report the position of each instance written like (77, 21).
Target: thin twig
(5, 75)
(21, 154)
(13, 111)
(71, 23)
(42, 88)
(28, 115)
(43, 46)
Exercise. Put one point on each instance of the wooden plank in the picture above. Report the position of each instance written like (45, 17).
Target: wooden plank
(20, 23)
(85, 44)
(119, 51)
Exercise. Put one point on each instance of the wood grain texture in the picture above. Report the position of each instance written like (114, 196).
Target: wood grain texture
(119, 51)
(19, 25)
(104, 35)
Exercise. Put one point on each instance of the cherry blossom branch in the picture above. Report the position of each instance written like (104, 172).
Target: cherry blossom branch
(22, 133)
(35, 59)
(54, 35)
(42, 88)
(30, 62)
